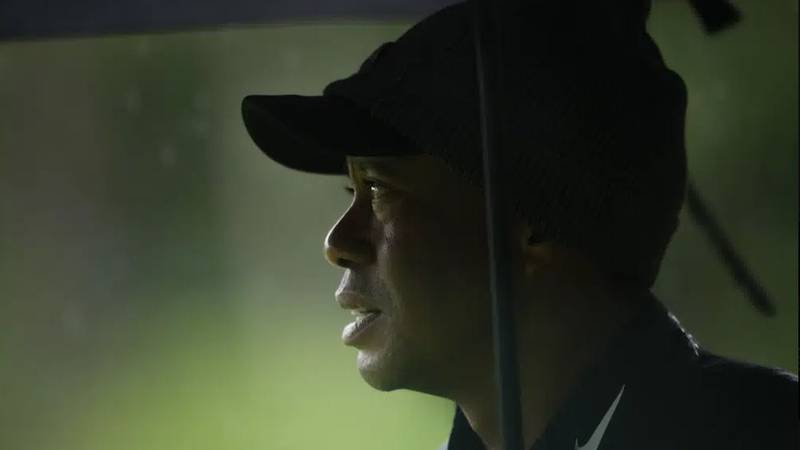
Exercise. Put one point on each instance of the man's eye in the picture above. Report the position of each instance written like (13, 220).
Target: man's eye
(375, 188)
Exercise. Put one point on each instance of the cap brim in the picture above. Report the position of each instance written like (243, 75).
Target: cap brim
(316, 133)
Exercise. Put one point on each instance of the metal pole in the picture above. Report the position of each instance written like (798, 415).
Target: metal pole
(489, 72)
(734, 263)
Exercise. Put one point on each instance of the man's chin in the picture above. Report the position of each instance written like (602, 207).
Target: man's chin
(378, 372)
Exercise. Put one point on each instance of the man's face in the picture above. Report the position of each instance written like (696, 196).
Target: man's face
(413, 247)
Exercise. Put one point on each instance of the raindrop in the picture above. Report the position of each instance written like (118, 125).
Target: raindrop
(201, 101)
(292, 61)
(167, 155)
(133, 100)
(198, 126)
(720, 90)
(73, 322)
(143, 47)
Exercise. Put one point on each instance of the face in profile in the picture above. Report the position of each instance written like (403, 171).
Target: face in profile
(413, 248)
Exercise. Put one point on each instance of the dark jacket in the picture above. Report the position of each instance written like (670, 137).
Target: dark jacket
(657, 390)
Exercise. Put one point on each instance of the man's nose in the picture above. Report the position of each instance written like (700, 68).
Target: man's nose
(348, 243)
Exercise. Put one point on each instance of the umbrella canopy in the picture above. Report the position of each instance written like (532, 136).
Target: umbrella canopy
(35, 19)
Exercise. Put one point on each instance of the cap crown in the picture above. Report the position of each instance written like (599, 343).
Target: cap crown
(592, 121)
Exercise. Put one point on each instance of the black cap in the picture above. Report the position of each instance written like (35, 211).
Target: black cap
(593, 129)
(314, 133)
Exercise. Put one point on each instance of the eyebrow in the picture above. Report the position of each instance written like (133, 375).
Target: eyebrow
(389, 168)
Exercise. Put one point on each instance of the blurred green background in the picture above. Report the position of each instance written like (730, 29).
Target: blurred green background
(162, 285)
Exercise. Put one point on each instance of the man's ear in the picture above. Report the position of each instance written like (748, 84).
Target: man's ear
(538, 254)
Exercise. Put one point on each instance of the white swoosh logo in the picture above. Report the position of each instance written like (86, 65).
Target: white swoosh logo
(594, 442)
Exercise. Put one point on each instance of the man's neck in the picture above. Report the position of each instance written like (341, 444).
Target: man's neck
(556, 345)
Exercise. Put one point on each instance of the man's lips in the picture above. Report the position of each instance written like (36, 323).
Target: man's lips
(356, 333)
(364, 311)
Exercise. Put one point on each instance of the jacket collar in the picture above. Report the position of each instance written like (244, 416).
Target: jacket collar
(643, 364)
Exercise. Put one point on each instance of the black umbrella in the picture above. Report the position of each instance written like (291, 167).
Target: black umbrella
(37, 19)
(27, 19)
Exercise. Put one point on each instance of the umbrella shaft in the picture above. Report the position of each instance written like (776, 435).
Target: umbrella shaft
(489, 73)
